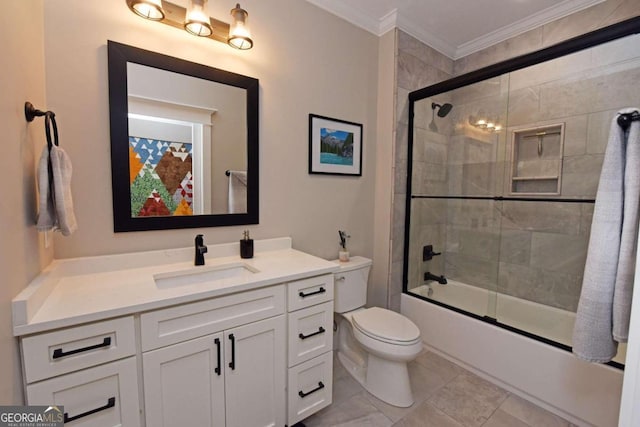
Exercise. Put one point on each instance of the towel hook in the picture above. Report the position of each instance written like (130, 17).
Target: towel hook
(625, 119)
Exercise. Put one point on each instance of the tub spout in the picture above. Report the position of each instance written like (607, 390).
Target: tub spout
(440, 279)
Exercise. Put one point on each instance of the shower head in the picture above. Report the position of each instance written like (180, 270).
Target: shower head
(443, 109)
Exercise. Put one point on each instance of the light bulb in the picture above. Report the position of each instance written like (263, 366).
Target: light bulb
(148, 9)
(239, 34)
(197, 22)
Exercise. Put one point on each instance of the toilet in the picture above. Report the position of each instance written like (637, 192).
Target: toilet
(374, 344)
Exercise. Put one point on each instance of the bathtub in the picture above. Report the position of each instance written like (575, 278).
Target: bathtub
(583, 393)
(538, 319)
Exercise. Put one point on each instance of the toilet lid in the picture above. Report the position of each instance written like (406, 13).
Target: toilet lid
(386, 325)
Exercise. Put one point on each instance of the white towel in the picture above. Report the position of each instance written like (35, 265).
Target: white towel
(237, 192)
(46, 214)
(56, 204)
(602, 319)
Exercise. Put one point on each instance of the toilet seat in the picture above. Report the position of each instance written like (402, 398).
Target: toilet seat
(386, 326)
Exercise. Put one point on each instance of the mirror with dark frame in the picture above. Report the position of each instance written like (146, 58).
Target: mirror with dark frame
(184, 143)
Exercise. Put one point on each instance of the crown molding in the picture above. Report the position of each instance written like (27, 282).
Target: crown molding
(396, 19)
(417, 31)
(560, 10)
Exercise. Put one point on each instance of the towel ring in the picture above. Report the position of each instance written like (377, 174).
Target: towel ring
(31, 112)
(49, 120)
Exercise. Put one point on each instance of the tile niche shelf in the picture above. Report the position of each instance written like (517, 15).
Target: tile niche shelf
(536, 160)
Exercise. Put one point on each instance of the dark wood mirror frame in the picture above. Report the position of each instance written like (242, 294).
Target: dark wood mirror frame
(118, 57)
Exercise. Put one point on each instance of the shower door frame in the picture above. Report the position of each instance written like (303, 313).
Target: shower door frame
(584, 41)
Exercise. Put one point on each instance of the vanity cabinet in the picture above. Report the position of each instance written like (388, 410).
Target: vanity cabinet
(232, 377)
(310, 343)
(241, 351)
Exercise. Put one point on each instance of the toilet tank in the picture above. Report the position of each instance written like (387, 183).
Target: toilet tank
(350, 284)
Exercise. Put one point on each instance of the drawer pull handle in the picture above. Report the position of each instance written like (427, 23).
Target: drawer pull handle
(319, 291)
(58, 353)
(110, 404)
(319, 331)
(217, 341)
(320, 387)
(232, 364)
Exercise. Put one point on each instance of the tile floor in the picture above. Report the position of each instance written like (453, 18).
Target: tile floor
(445, 394)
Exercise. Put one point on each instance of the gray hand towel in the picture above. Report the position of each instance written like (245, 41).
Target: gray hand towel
(593, 338)
(46, 214)
(54, 183)
(63, 202)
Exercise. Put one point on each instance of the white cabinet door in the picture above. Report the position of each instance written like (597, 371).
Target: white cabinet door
(184, 384)
(255, 359)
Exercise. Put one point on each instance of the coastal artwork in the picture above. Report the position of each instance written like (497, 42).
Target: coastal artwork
(335, 146)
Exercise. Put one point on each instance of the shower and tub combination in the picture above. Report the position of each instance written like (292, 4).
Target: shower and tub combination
(503, 169)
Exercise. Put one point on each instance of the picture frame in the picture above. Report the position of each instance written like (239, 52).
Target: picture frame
(335, 146)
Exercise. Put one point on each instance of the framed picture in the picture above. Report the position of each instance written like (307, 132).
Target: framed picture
(335, 146)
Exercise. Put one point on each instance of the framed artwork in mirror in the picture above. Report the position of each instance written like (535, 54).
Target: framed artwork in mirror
(335, 146)
(184, 143)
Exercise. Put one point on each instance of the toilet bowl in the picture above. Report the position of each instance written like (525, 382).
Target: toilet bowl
(374, 344)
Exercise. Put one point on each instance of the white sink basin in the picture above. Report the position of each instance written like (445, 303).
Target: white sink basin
(202, 275)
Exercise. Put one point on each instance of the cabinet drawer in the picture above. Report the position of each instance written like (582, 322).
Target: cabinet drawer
(310, 387)
(307, 292)
(50, 354)
(103, 396)
(184, 322)
(310, 332)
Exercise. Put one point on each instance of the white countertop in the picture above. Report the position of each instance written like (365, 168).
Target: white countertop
(74, 291)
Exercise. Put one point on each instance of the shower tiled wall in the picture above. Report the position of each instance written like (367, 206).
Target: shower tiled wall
(417, 66)
(524, 237)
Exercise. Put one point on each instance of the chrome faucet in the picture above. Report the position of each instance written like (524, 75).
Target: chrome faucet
(440, 279)
(201, 249)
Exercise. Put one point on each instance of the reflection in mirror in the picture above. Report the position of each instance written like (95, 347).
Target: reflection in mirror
(184, 143)
(185, 138)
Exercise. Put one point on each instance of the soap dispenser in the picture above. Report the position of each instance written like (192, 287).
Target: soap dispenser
(246, 246)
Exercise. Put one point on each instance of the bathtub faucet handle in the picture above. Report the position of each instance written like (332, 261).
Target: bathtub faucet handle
(428, 253)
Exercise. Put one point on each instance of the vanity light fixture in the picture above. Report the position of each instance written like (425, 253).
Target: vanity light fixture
(195, 20)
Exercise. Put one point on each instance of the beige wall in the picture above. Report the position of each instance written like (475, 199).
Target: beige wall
(22, 253)
(315, 63)
(378, 289)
